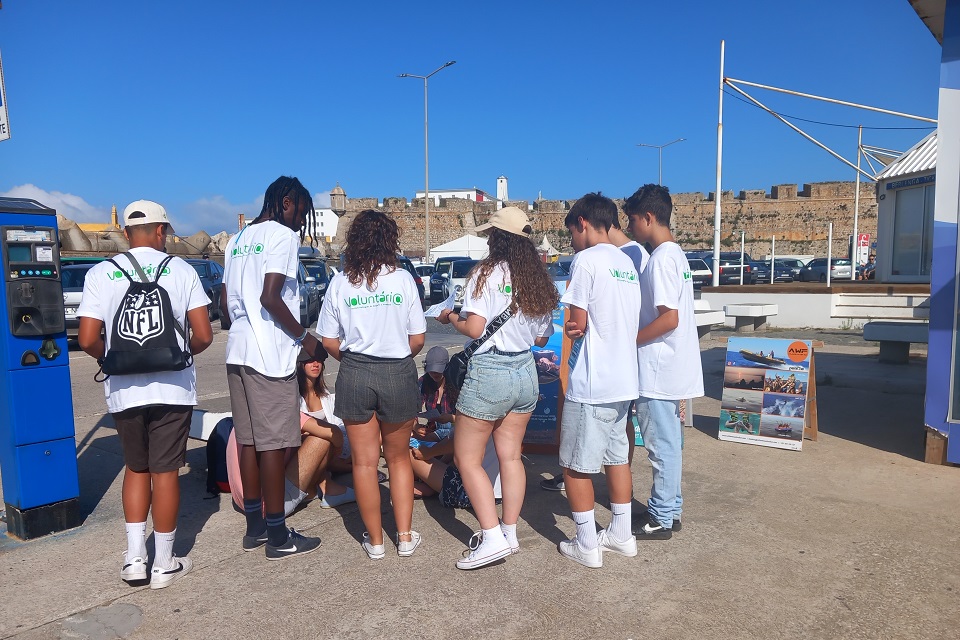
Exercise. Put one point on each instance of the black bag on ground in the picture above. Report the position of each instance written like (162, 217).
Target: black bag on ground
(456, 370)
(145, 336)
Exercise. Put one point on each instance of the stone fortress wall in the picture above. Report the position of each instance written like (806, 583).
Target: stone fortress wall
(798, 218)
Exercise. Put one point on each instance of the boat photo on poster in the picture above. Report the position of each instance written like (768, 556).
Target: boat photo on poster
(765, 384)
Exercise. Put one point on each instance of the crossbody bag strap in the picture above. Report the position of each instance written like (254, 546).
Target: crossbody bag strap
(491, 329)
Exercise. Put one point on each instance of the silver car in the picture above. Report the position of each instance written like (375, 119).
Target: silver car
(816, 270)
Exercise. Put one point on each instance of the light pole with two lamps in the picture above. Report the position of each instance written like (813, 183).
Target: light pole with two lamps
(659, 148)
(426, 155)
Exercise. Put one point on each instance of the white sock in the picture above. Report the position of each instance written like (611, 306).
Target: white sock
(619, 528)
(510, 533)
(136, 540)
(164, 544)
(586, 529)
(494, 536)
(292, 497)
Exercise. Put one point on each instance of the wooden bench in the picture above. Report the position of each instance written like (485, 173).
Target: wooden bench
(895, 338)
(748, 317)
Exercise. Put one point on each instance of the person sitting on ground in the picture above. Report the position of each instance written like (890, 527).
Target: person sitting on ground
(318, 420)
(321, 447)
(439, 401)
(437, 477)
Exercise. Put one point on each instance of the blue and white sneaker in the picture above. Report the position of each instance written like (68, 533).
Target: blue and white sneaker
(135, 570)
(160, 578)
(296, 544)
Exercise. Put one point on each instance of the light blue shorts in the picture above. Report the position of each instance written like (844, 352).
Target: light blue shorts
(498, 384)
(593, 435)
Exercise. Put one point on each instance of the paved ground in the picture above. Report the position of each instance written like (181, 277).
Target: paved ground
(853, 537)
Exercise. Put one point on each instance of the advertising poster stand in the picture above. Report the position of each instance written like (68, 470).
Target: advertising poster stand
(769, 393)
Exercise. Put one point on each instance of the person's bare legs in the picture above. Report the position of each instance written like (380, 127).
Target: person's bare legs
(396, 451)
(365, 451)
(430, 472)
(579, 488)
(136, 495)
(165, 504)
(619, 483)
(508, 440)
(312, 461)
(470, 438)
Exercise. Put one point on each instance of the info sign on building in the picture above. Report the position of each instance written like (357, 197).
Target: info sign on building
(767, 387)
(4, 123)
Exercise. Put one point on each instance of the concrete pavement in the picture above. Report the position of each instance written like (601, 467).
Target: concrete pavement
(854, 537)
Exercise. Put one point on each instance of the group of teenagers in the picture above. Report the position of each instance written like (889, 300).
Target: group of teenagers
(634, 350)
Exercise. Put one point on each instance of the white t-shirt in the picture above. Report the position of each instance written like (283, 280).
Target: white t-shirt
(670, 366)
(520, 331)
(103, 291)
(603, 368)
(255, 339)
(637, 253)
(375, 322)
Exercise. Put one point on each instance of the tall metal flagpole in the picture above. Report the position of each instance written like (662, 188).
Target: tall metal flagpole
(718, 196)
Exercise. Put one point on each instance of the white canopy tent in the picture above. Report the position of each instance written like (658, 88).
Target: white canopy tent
(471, 246)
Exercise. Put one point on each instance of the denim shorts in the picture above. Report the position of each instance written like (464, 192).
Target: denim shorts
(593, 435)
(498, 384)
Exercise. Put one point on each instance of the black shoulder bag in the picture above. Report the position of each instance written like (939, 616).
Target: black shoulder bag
(456, 369)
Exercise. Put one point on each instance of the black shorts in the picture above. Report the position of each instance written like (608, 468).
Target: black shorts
(154, 438)
(385, 386)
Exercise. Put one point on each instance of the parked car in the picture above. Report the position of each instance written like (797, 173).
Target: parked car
(71, 278)
(309, 296)
(816, 270)
(793, 264)
(440, 268)
(66, 261)
(761, 272)
(211, 279)
(318, 269)
(425, 270)
(406, 263)
(700, 271)
(458, 280)
(729, 265)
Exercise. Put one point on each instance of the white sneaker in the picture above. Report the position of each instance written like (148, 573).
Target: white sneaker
(511, 538)
(571, 548)
(134, 570)
(160, 578)
(406, 548)
(374, 551)
(607, 543)
(482, 552)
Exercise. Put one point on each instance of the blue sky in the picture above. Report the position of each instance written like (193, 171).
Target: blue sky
(200, 105)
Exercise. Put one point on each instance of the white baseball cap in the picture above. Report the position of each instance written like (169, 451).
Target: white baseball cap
(509, 219)
(144, 212)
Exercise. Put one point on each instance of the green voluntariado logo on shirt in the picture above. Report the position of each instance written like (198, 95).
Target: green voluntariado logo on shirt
(148, 270)
(505, 288)
(687, 275)
(374, 300)
(624, 276)
(243, 250)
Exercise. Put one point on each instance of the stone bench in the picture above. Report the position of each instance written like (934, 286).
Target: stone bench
(895, 338)
(750, 317)
(707, 319)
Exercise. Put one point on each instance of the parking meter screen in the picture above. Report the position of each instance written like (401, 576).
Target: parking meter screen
(19, 253)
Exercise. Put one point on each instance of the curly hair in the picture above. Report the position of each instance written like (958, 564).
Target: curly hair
(373, 241)
(534, 293)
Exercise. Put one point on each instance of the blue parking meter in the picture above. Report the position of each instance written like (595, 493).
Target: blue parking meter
(38, 456)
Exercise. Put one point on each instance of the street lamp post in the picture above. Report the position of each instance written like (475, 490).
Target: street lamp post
(426, 155)
(659, 148)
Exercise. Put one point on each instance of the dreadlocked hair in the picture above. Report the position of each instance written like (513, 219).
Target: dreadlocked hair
(287, 187)
(373, 241)
(534, 293)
